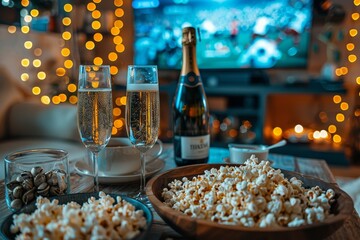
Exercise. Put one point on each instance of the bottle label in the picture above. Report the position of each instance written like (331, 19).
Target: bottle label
(195, 147)
(190, 80)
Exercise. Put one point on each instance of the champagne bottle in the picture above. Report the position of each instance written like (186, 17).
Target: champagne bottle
(190, 108)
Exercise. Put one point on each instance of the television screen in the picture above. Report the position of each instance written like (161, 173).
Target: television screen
(233, 33)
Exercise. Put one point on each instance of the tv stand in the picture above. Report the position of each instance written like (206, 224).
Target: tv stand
(232, 77)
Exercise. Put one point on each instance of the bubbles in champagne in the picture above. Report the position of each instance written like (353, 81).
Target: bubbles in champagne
(143, 117)
(95, 117)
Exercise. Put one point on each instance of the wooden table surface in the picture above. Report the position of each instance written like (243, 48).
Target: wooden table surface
(160, 230)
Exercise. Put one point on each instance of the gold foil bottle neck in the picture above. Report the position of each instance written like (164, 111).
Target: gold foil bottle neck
(188, 36)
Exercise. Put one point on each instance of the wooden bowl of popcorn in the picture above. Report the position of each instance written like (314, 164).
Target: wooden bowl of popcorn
(80, 216)
(250, 201)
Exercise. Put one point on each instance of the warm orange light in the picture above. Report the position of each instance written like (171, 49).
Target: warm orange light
(66, 21)
(344, 106)
(36, 63)
(118, 3)
(25, 29)
(62, 97)
(41, 75)
(37, 52)
(277, 131)
(98, 61)
(350, 46)
(96, 14)
(45, 100)
(91, 6)
(338, 72)
(65, 52)
(73, 99)
(56, 99)
(355, 16)
(36, 90)
(71, 87)
(119, 12)
(118, 123)
(98, 37)
(114, 70)
(34, 12)
(344, 70)
(337, 138)
(357, 113)
(25, 3)
(97, 1)
(358, 80)
(68, 7)
(25, 62)
(68, 64)
(112, 56)
(120, 101)
(118, 24)
(332, 128)
(353, 32)
(96, 25)
(356, 2)
(95, 84)
(337, 98)
(233, 133)
(120, 48)
(352, 58)
(123, 100)
(24, 77)
(60, 72)
(116, 112)
(117, 40)
(11, 29)
(28, 44)
(66, 35)
(90, 45)
(115, 31)
(340, 117)
(114, 131)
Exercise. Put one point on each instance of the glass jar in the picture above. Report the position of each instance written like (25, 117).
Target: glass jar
(35, 172)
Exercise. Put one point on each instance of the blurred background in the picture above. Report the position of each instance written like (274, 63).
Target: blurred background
(272, 70)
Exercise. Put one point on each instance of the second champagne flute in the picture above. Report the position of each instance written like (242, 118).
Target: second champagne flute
(142, 113)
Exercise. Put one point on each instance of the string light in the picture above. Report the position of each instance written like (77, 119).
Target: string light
(45, 100)
(72, 88)
(11, 29)
(111, 57)
(36, 90)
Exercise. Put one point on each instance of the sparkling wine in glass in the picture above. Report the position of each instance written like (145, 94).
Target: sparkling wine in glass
(94, 111)
(142, 113)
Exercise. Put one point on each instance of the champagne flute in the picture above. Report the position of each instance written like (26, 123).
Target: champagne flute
(142, 113)
(94, 111)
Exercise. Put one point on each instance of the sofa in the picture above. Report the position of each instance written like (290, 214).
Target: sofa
(26, 123)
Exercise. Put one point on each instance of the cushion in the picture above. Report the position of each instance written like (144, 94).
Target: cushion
(9, 94)
(36, 120)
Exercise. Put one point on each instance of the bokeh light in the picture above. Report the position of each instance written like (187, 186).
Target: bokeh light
(36, 90)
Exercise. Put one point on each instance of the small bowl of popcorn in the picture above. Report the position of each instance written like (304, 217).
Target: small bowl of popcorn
(247, 201)
(80, 216)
